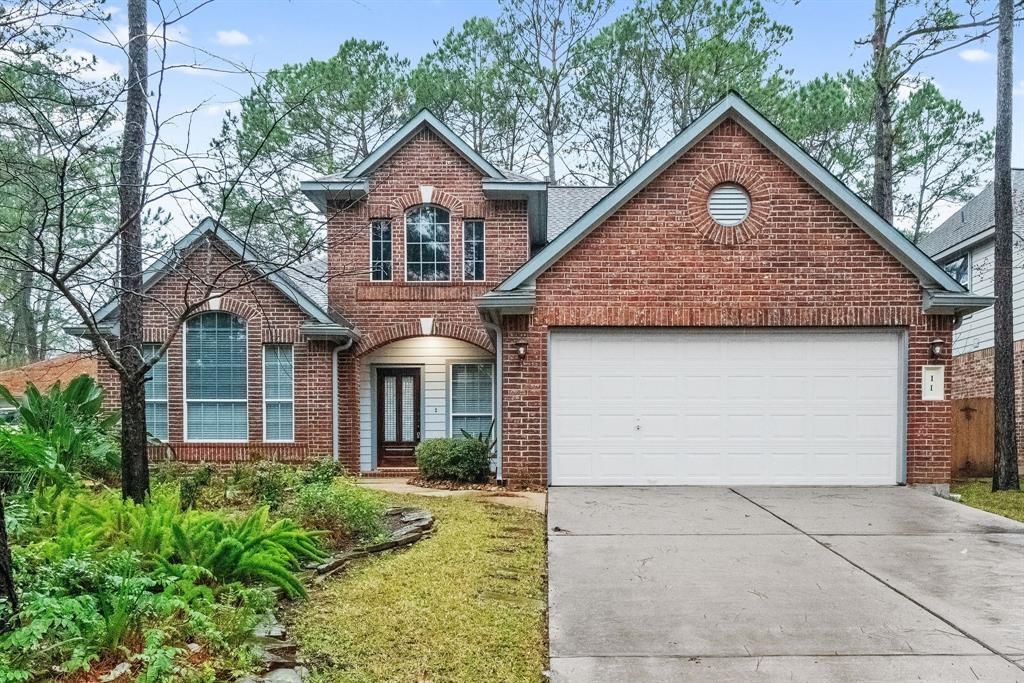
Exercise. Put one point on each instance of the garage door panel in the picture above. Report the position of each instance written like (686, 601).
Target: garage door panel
(724, 407)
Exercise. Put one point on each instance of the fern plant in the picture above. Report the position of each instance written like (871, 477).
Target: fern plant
(253, 549)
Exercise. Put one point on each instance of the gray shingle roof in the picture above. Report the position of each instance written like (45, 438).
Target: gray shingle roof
(311, 277)
(566, 204)
(976, 216)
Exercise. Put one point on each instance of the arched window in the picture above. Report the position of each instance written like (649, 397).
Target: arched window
(216, 382)
(427, 244)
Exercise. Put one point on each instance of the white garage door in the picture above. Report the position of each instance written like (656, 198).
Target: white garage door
(649, 406)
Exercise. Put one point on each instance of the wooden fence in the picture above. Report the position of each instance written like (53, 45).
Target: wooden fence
(973, 437)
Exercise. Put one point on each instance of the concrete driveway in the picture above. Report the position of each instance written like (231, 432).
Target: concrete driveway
(857, 584)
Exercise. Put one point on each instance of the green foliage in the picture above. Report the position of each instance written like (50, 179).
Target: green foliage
(322, 472)
(191, 484)
(941, 152)
(90, 605)
(27, 458)
(341, 508)
(248, 550)
(459, 459)
(266, 482)
(72, 422)
(212, 546)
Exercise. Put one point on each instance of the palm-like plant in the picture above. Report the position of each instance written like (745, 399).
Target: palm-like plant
(72, 421)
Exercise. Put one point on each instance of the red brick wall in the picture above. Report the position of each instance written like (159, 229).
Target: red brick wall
(974, 377)
(270, 318)
(798, 261)
(387, 311)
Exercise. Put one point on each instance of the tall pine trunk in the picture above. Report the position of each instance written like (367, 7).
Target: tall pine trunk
(134, 460)
(881, 189)
(1005, 474)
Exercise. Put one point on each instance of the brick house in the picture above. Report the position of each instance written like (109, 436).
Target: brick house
(729, 314)
(964, 245)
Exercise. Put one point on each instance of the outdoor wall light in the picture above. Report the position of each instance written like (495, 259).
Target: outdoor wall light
(427, 326)
(936, 347)
(521, 350)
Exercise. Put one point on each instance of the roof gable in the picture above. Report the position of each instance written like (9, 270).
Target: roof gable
(300, 295)
(735, 108)
(424, 119)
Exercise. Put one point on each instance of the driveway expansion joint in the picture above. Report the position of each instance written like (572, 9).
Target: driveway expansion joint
(882, 581)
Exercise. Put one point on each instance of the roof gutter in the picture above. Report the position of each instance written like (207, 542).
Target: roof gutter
(335, 441)
(940, 302)
(320, 191)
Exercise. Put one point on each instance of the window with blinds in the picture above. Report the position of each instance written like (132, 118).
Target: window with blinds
(729, 204)
(278, 393)
(216, 382)
(472, 398)
(156, 394)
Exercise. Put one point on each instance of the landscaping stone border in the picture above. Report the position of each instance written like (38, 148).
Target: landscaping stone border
(280, 655)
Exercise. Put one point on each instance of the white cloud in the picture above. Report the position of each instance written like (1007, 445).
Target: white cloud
(911, 84)
(1018, 90)
(232, 37)
(975, 54)
(95, 68)
(217, 110)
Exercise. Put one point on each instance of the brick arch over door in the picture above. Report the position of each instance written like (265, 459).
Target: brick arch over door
(386, 335)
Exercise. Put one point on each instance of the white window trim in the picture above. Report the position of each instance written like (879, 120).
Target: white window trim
(483, 241)
(164, 401)
(451, 395)
(405, 245)
(184, 388)
(291, 347)
(970, 269)
(392, 229)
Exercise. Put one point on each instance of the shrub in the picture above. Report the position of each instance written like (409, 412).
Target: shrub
(192, 483)
(266, 482)
(72, 421)
(341, 508)
(323, 472)
(459, 459)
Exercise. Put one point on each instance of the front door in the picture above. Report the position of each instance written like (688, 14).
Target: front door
(398, 416)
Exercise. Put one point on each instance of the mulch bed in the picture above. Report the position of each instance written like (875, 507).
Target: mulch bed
(446, 485)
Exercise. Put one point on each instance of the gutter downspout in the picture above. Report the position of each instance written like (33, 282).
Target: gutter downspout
(334, 395)
(496, 328)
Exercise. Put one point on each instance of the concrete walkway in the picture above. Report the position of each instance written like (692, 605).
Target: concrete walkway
(530, 500)
(838, 584)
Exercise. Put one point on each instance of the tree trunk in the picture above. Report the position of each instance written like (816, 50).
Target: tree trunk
(134, 461)
(25, 313)
(549, 144)
(7, 589)
(1005, 474)
(881, 191)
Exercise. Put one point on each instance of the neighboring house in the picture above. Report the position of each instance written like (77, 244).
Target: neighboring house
(44, 374)
(729, 314)
(964, 245)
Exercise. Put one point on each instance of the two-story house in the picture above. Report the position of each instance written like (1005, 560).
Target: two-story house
(964, 245)
(728, 314)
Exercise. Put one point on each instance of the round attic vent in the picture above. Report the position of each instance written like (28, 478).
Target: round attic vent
(729, 204)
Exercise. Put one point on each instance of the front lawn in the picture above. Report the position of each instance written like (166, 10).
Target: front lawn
(978, 494)
(466, 604)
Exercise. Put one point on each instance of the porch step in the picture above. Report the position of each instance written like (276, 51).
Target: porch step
(392, 472)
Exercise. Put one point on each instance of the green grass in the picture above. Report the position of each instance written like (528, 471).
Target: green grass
(467, 604)
(978, 494)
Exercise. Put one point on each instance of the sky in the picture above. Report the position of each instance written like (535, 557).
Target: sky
(264, 34)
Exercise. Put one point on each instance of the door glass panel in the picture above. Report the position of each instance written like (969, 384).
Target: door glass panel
(390, 408)
(408, 409)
